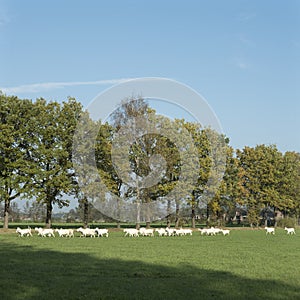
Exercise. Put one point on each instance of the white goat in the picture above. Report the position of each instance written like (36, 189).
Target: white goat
(142, 231)
(210, 231)
(146, 231)
(270, 230)
(71, 232)
(179, 232)
(170, 231)
(187, 231)
(23, 232)
(131, 232)
(44, 232)
(47, 232)
(290, 230)
(216, 230)
(101, 232)
(203, 231)
(225, 231)
(65, 232)
(161, 231)
(38, 230)
(86, 232)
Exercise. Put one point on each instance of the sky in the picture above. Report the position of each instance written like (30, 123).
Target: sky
(243, 57)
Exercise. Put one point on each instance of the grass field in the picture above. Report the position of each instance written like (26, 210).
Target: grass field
(245, 265)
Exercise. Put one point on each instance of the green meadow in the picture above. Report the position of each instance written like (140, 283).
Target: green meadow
(245, 265)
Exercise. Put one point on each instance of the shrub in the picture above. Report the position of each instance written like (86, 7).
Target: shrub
(286, 222)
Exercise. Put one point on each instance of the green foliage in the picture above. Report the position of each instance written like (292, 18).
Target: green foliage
(15, 138)
(36, 153)
(268, 180)
(36, 143)
(50, 153)
(287, 222)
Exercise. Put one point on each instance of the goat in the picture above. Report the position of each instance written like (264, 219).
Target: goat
(38, 230)
(203, 231)
(23, 232)
(44, 232)
(146, 231)
(210, 231)
(161, 231)
(47, 232)
(270, 230)
(290, 230)
(86, 232)
(131, 232)
(216, 230)
(179, 232)
(65, 232)
(187, 231)
(170, 231)
(225, 231)
(101, 232)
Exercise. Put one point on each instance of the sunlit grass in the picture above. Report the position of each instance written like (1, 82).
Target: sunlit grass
(245, 265)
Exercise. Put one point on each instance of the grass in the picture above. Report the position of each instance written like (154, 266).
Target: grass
(245, 265)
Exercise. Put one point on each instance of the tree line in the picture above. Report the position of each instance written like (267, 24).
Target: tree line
(36, 162)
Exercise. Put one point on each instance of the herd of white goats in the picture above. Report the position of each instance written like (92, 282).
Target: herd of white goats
(132, 232)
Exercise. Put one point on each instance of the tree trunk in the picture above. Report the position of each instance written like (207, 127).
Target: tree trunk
(148, 212)
(177, 215)
(168, 222)
(138, 209)
(85, 213)
(118, 212)
(169, 214)
(193, 217)
(207, 215)
(49, 214)
(6, 213)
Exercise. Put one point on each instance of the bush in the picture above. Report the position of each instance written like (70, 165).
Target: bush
(221, 223)
(211, 223)
(286, 222)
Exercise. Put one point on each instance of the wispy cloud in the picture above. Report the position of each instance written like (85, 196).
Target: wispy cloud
(246, 41)
(48, 86)
(246, 16)
(4, 17)
(296, 43)
(242, 65)
(3, 20)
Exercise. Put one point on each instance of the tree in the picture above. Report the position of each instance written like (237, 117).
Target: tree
(34, 210)
(262, 176)
(130, 110)
(201, 142)
(107, 172)
(156, 158)
(290, 184)
(87, 146)
(211, 153)
(225, 198)
(15, 137)
(51, 174)
(148, 144)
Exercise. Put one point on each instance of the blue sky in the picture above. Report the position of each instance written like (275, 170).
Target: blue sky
(243, 57)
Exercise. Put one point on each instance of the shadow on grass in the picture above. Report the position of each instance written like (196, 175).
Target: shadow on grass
(28, 273)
